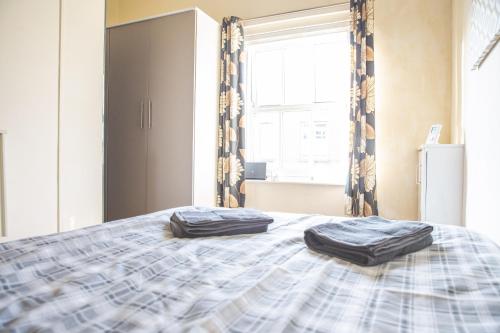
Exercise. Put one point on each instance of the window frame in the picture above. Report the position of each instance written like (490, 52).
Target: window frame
(340, 23)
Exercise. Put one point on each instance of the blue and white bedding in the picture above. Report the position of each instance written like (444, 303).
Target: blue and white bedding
(133, 276)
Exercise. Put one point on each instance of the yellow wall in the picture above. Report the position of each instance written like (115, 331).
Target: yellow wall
(126, 10)
(413, 91)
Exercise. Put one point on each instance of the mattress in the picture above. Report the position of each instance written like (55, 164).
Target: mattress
(133, 276)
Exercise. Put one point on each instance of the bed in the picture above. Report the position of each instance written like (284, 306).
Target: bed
(133, 276)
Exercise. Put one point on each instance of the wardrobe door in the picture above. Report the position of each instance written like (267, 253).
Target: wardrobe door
(127, 75)
(170, 125)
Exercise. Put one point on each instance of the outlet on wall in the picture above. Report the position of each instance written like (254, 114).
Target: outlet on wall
(72, 223)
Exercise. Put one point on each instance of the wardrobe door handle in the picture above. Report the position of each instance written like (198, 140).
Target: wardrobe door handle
(150, 107)
(142, 114)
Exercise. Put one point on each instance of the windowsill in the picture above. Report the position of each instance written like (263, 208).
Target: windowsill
(293, 182)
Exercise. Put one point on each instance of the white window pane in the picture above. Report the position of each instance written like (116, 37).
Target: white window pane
(265, 137)
(320, 147)
(325, 72)
(299, 75)
(296, 138)
(330, 143)
(332, 69)
(268, 70)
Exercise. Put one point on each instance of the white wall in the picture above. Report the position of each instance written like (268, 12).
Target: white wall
(477, 93)
(81, 114)
(2, 217)
(481, 130)
(205, 123)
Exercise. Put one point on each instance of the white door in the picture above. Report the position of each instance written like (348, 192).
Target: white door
(29, 60)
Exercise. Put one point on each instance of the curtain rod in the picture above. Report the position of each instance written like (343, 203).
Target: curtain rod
(294, 12)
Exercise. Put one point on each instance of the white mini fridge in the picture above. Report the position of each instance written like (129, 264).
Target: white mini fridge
(440, 178)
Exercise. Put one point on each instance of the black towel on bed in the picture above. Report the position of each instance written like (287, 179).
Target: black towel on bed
(368, 241)
(204, 222)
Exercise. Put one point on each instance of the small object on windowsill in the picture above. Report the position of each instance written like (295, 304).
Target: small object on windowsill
(255, 170)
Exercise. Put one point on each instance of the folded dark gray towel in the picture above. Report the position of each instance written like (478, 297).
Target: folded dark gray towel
(204, 222)
(368, 241)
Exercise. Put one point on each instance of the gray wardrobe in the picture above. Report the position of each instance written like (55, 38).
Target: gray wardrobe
(161, 114)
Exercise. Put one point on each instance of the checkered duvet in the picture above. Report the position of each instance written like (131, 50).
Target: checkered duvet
(133, 276)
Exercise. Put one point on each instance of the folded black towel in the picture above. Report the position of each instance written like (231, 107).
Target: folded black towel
(204, 222)
(368, 241)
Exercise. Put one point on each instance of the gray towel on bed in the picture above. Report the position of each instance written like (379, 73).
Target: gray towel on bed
(204, 222)
(368, 241)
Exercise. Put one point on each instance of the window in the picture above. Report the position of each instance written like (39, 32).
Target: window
(298, 106)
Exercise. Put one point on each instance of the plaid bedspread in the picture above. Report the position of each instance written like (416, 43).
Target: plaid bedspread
(132, 276)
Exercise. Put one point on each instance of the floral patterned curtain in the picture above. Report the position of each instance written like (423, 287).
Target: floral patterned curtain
(361, 197)
(231, 151)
